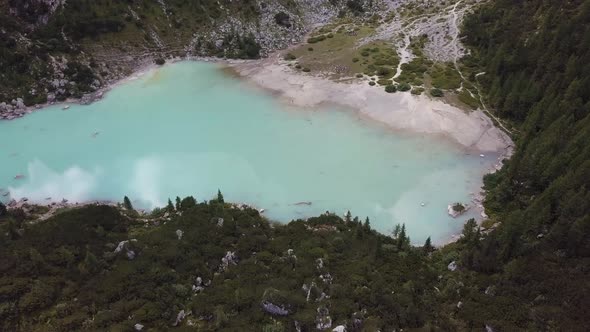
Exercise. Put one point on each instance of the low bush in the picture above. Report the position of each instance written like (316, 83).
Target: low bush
(417, 91)
(289, 57)
(390, 88)
(436, 92)
(404, 87)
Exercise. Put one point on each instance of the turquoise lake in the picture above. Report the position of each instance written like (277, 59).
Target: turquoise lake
(188, 129)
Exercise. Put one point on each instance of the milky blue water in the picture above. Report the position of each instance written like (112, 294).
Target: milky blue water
(188, 129)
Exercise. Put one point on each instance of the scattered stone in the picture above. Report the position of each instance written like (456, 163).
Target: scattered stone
(323, 319)
(138, 327)
(452, 266)
(230, 258)
(179, 234)
(274, 309)
(179, 318)
(319, 263)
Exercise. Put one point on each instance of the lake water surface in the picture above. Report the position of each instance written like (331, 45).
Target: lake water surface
(188, 129)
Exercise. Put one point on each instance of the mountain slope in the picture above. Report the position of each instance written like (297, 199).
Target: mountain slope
(52, 49)
(536, 56)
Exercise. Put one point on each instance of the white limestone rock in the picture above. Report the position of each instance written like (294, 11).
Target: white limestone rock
(452, 266)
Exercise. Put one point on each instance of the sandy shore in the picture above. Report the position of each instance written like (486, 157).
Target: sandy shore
(473, 130)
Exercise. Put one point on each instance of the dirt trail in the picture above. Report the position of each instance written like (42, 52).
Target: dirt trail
(457, 55)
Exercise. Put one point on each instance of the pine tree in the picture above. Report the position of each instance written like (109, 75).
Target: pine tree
(428, 246)
(219, 196)
(90, 265)
(401, 240)
(396, 231)
(367, 225)
(170, 206)
(188, 203)
(3, 210)
(127, 203)
(178, 201)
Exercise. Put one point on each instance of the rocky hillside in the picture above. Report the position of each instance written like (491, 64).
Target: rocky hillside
(55, 49)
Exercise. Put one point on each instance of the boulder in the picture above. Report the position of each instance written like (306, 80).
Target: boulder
(323, 319)
(138, 327)
(179, 318)
(274, 309)
(20, 103)
(230, 258)
(452, 266)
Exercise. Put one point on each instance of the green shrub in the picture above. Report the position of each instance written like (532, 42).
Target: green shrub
(404, 87)
(289, 57)
(310, 49)
(458, 207)
(436, 92)
(298, 66)
(355, 60)
(316, 39)
(384, 82)
(390, 88)
(282, 18)
(466, 98)
(417, 91)
(307, 70)
(359, 75)
(372, 83)
(384, 71)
